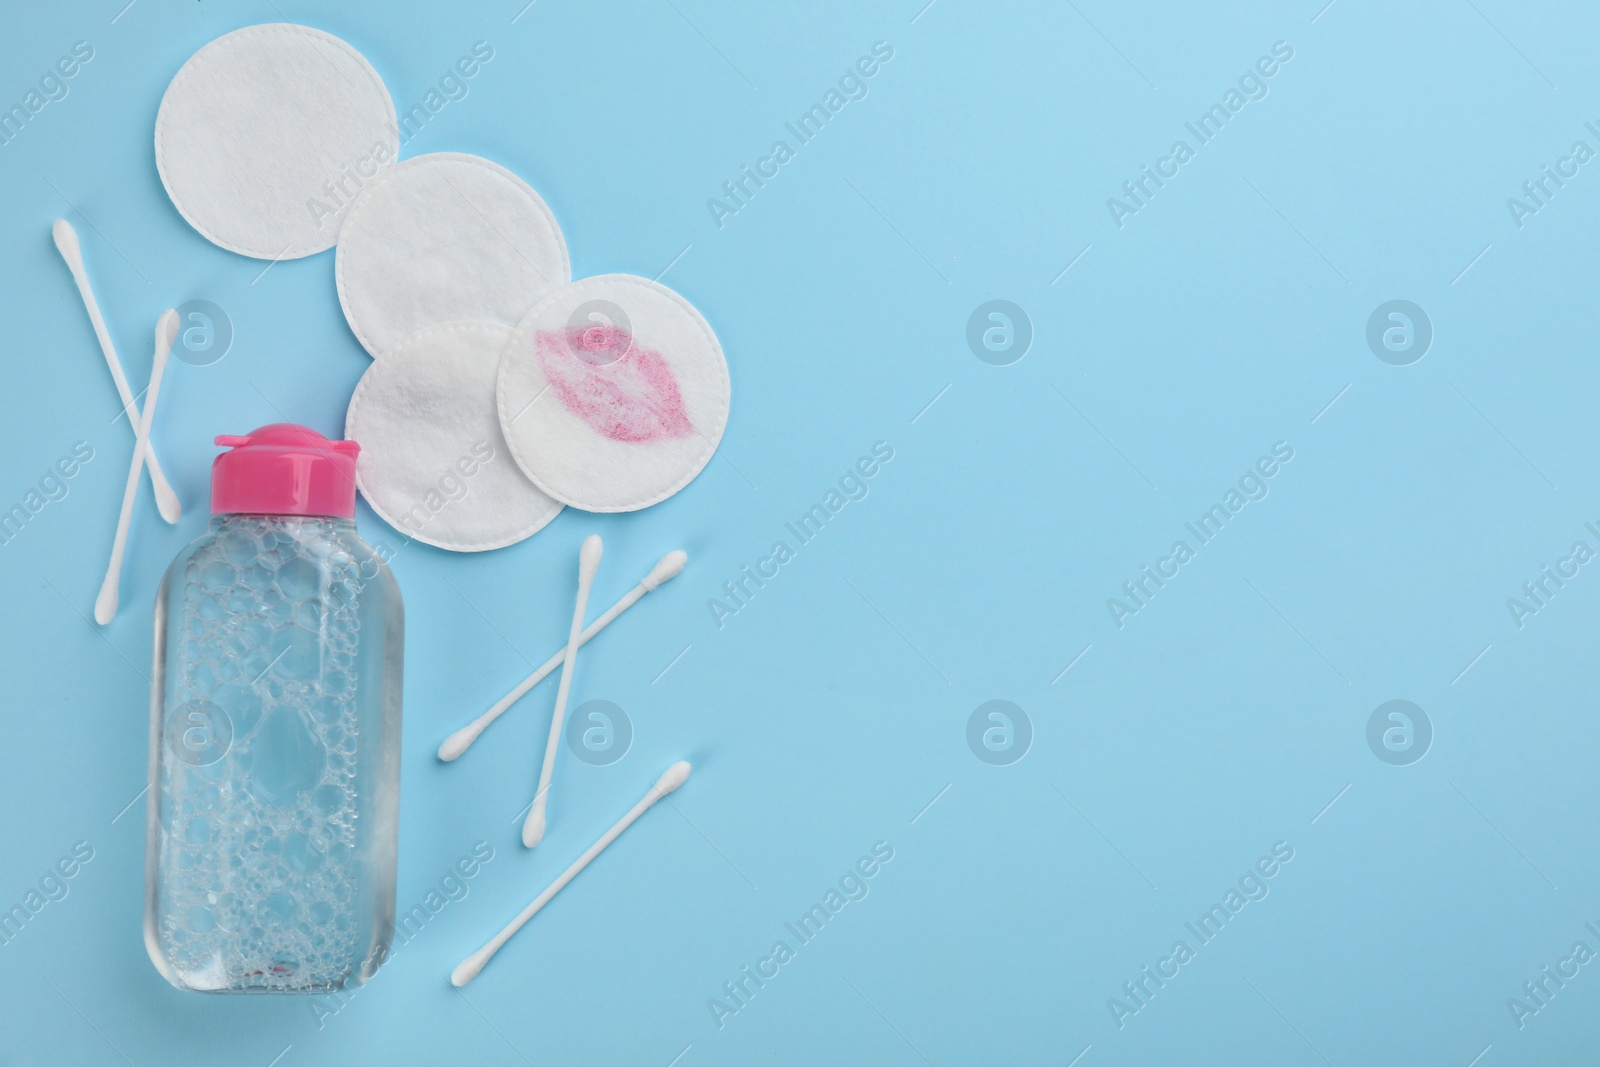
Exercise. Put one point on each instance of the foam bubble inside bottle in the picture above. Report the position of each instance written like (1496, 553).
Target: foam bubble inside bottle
(275, 732)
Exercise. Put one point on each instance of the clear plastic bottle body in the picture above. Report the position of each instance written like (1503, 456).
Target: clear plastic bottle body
(274, 759)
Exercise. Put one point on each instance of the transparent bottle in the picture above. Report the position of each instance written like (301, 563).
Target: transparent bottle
(275, 732)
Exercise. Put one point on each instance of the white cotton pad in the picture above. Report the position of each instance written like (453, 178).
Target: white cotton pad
(443, 238)
(613, 393)
(267, 134)
(433, 463)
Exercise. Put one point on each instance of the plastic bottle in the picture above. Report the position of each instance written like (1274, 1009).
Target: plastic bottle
(275, 732)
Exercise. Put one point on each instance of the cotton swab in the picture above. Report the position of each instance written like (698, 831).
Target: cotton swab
(670, 566)
(105, 605)
(588, 563)
(66, 239)
(468, 969)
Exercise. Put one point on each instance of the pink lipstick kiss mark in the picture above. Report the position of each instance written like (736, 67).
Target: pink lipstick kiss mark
(623, 391)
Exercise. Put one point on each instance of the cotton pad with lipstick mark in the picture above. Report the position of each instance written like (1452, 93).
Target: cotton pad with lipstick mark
(433, 463)
(445, 237)
(266, 135)
(613, 393)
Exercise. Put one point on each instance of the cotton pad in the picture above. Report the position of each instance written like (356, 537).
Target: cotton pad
(613, 394)
(443, 238)
(266, 135)
(433, 463)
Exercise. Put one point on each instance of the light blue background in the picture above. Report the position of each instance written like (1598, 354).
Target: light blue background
(827, 714)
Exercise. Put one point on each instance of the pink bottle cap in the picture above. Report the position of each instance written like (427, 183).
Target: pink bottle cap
(284, 469)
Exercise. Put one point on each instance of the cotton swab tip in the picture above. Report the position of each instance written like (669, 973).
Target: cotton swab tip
(589, 556)
(167, 330)
(670, 567)
(105, 605)
(458, 742)
(66, 239)
(675, 776)
(168, 505)
(533, 828)
(468, 968)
